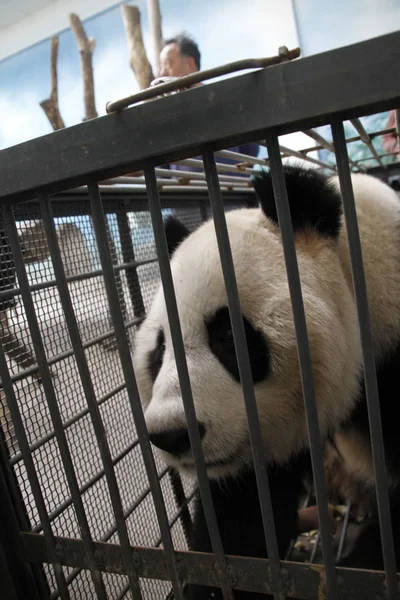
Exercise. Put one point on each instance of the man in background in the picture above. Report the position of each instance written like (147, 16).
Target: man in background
(180, 56)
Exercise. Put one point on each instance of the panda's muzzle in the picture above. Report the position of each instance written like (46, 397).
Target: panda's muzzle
(175, 441)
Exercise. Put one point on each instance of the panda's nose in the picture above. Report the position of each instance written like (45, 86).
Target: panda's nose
(175, 441)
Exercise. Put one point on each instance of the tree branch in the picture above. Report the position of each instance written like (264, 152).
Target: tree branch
(153, 6)
(86, 47)
(50, 106)
(137, 52)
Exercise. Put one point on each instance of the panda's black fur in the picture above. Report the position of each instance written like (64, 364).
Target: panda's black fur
(315, 204)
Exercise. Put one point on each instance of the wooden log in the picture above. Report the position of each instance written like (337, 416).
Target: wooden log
(50, 106)
(137, 53)
(153, 7)
(86, 47)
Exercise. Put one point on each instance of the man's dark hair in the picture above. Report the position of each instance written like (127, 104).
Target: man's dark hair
(187, 47)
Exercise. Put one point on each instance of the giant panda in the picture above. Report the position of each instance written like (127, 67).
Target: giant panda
(325, 272)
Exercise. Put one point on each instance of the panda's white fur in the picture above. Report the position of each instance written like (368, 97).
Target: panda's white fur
(332, 323)
(260, 271)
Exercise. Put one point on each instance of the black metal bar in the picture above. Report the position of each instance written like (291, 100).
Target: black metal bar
(181, 503)
(68, 353)
(343, 533)
(112, 530)
(16, 576)
(246, 378)
(303, 351)
(128, 255)
(18, 507)
(304, 580)
(99, 223)
(315, 548)
(33, 479)
(370, 379)
(359, 127)
(178, 514)
(51, 396)
(323, 143)
(73, 156)
(90, 395)
(184, 380)
(80, 277)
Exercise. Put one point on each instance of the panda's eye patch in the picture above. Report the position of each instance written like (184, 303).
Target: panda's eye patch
(220, 339)
(156, 356)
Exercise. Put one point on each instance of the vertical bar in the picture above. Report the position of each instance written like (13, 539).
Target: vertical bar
(51, 398)
(371, 384)
(30, 469)
(303, 351)
(99, 223)
(13, 566)
(203, 212)
(94, 411)
(7, 575)
(246, 377)
(343, 533)
(184, 381)
(19, 508)
(180, 499)
(128, 255)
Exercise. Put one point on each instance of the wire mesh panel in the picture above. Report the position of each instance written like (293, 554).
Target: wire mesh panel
(97, 513)
(131, 244)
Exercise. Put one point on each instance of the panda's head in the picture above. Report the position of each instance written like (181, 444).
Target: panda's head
(266, 307)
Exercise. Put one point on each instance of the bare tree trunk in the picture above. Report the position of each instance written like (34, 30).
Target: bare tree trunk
(153, 6)
(86, 47)
(50, 106)
(137, 52)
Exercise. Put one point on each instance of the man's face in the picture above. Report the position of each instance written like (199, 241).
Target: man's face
(175, 64)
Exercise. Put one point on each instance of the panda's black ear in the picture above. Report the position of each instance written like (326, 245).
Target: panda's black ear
(313, 201)
(175, 232)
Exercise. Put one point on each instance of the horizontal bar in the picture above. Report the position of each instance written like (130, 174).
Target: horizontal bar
(323, 143)
(176, 175)
(240, 157)
(380, 156)
(349, 140)
(359, 127)
(390, 170)
(148, 132)
(248, 574)
(315, 161)
(197, 163)
(113, 529)
(73, 278)
(68, 353)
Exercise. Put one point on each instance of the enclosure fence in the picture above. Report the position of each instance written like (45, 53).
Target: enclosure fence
(87, 509)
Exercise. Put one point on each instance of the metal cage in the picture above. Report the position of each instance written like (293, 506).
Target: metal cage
(87, 510)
